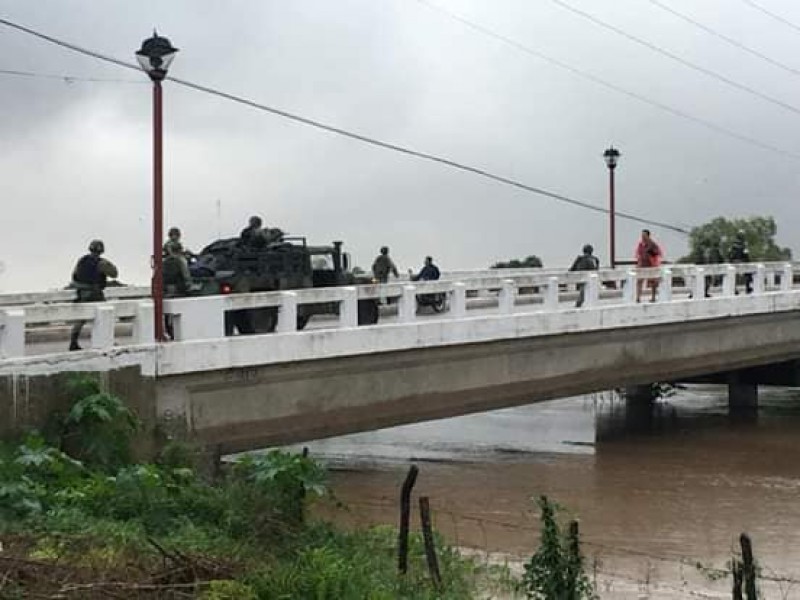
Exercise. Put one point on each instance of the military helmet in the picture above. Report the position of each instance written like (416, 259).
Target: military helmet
(97, 247)
(588, 249)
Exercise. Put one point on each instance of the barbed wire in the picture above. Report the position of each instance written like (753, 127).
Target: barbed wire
(683, 561)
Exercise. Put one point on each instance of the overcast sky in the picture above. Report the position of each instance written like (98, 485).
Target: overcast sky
(75, 158)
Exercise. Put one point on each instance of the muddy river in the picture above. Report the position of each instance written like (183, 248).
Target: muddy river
(657, 493)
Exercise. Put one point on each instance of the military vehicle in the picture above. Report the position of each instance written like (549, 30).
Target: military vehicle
(231, 266)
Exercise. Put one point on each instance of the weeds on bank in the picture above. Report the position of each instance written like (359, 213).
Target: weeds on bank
(77, 516)
(556, 570)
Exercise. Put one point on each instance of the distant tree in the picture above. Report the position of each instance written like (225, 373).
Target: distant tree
(759, 232)
(528, 262)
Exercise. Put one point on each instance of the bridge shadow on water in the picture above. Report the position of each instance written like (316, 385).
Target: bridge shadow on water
(692, 409)
(579, 426)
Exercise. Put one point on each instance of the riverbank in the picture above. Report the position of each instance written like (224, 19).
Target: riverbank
(80, 519)
(69, 530)
(662, 498)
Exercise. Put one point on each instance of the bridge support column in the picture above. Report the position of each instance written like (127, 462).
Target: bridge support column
(741, 394)
(639, 394)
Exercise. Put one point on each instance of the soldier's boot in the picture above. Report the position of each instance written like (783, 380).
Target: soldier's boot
(73, 341)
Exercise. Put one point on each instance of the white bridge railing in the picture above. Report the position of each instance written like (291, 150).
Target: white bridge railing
(497, 292)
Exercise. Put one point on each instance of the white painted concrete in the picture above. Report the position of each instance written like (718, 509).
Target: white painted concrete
(519, 312)
(247, 351)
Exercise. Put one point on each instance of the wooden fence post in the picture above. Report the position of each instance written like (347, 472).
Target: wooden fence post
(737, 579)
(405, 514)
(430, 546)
(748, 567)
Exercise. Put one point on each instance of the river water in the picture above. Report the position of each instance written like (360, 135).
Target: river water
(656, 492)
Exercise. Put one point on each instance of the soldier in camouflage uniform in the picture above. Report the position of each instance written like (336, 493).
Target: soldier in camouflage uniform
(89, 279)
(585, 262)
(384, 265)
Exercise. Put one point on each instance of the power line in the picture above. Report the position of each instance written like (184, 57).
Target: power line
(609, 85)
(725, 38)
(65, 78)
(355, 136)
(773, 15)
(676, 58)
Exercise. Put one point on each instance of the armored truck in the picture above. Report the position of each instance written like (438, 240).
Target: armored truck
(231, 266)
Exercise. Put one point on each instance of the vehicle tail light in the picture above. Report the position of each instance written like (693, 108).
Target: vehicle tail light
(225, 288)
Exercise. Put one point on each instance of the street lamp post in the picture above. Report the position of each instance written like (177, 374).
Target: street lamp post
(611, 155)
(155, 57)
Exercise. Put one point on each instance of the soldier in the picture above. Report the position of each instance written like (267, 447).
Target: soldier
(384, 265)
(585, 262)
(177, 277)
(740, 254)
(174, 237)
(89, 279)
(710, 254)
(251, 235)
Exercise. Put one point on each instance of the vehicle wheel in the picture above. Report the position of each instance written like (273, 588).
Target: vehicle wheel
(264, 319)
(439, 303)
(239, 320)
(367, 312)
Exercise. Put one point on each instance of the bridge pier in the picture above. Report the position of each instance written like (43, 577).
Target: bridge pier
(639, 395)
(742, 394)
(639, 408)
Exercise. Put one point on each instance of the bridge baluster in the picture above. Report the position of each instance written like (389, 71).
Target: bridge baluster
(407, 311)
(759, 279)
(348, 308)
(699, 283)
(103, 327)
(665, 289)
(143, 323)
(551, 294)
(287, 313)
(12, 333)
(629, 291)
(592, 290)
(458, 300)
(787, 277)
(729, 281)
(199, 318)
(506, 299)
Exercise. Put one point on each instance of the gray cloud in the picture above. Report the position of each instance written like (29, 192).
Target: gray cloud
(75, 158)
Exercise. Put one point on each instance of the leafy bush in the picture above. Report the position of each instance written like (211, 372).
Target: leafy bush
(99, 427)
(269, 492)
(555, 571)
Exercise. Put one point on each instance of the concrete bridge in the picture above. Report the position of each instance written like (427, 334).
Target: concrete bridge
(508, 338)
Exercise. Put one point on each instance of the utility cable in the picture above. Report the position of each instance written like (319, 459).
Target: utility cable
(725, 38)
(773, 15)
(609, 85)
(65, 78)
(695, 67)
(355, 136)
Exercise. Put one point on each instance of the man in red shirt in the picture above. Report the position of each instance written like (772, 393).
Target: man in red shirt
(648, 255)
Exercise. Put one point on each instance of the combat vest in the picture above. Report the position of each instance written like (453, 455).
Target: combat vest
(88, 272)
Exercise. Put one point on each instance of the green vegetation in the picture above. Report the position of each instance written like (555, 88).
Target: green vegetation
(720, 233)
(556, 570)
(531, 261)
(78, 519)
